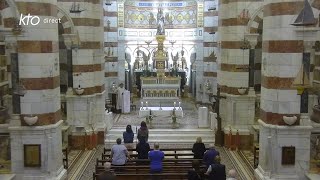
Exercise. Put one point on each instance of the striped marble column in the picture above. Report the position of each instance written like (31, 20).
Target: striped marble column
(281, 62)
(282, 50)
(112, 71)
(39, 64)
(38, 68)
(86, 111)
(234, 61)
(210, 29)
(233, 73)
(88, 64)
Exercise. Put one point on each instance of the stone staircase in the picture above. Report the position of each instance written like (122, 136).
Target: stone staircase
(166, 136)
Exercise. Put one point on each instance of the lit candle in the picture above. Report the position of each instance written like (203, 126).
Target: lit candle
(179, 105)
(141, 104)
(174, 104)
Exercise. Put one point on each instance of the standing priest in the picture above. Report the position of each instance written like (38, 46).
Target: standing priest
(120, 92)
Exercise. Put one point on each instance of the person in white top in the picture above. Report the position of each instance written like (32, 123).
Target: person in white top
(119, 154)
(232, 174)
(120, 91)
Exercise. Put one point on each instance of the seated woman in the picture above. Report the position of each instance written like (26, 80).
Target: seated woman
(128, 137)
(198, 149)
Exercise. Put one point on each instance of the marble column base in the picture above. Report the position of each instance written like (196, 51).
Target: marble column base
(238, 112)
(49, 138)
(260, 174)
(61, 175)
(272, 140)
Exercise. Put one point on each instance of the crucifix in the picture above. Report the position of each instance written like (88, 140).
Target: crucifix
(250, 67)
(219, 136)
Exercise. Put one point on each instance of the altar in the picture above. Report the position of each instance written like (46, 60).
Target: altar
(160, 87)
(163, 112)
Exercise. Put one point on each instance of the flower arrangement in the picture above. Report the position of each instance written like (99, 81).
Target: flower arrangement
(174, 116)
(149, 118)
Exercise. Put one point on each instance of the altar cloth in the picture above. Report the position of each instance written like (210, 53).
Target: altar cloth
(164, 112)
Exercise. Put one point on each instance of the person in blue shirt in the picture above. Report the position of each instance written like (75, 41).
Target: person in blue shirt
(156, 156)
(210, 155)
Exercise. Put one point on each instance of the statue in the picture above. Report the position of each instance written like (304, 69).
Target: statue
(160, 21)
(151, 18)
(169, 18)
(145, 57)
(175, 59)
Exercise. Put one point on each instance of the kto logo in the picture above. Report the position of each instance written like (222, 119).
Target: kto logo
(25, 20)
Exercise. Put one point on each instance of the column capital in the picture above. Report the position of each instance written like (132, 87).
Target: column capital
(71, 40)
(252, 38)
(308, 45)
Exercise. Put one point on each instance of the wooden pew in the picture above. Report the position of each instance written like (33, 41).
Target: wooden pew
(145, 169)
(147, 176)
(167, 151)
(176, 156)
(141, 172)
(106, 150)
(165, 161)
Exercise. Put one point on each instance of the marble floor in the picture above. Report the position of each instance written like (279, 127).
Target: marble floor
(249, 157)
(72, 156)
(189, 119)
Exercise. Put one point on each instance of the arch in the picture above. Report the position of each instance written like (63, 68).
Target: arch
(9, 17)
(141, 49)
(66, 21)
(255, 20)
(13, 8)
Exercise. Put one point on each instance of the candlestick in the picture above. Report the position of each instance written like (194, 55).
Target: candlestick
(174, 105)
(142, 105)
(146, 104)
(179, 105)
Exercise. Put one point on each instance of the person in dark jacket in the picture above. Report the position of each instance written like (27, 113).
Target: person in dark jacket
(198, 149)
(128, 136)
(143, 149)
(210, 155)
(217, 171)
(143, 132)
(194, 173)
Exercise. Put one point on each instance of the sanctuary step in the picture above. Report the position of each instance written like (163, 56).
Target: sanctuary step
(166, 136)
